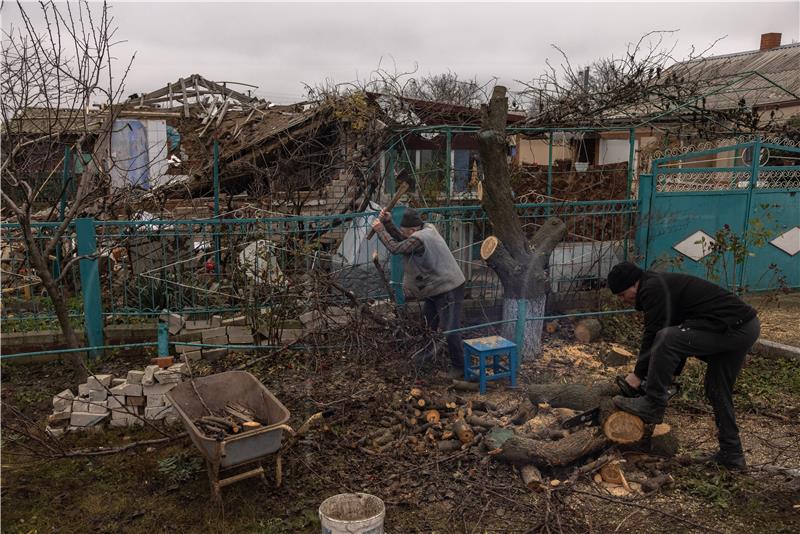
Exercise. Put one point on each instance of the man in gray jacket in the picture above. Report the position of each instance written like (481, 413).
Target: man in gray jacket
(431, 273)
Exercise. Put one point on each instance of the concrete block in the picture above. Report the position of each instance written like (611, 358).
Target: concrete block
(219, 340)
(124, 412)
(183, 349)
(99, 382)
(240, 335)
(157, 412)
(117, 381)
(135, 401)
(213, 355)
(215, 333)
(216, 321)
(59, 418)
(83, 390)
(147, 378)
(158, 389)
(97, 396)
(81, 419)
(194, 355)
(54, 432)
(202, 324)
(80, 405)
(94, 429)
(180, 368)
(135, 377)
(99, 407)
(116, 401)
(165, 376)
(133, 390)
(155, 400)
(239, 320)
(774, 350)
(176, 323)
(63, 400)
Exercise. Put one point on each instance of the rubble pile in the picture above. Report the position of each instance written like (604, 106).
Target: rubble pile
(120, 402)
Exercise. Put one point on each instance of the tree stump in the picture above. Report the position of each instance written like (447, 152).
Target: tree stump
(587, 330)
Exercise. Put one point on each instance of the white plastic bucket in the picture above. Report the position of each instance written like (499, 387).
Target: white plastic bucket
(352, 513)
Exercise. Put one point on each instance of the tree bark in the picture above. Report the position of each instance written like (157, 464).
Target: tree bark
(519, 450)
(580, 397)
(587, 330)
(520, 265)
(42, 269)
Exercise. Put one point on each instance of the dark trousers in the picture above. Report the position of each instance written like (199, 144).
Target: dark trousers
(444, 311)
(723, 352)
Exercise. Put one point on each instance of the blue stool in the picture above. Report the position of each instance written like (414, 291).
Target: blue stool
(494, 347)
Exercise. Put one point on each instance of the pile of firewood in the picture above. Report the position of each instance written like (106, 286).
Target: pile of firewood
(233, 419)
(528, 434)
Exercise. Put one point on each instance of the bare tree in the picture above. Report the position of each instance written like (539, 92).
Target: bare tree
(54, 69)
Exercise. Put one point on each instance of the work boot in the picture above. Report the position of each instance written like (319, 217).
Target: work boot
(649, 411)
(734, 461)
(626, 389)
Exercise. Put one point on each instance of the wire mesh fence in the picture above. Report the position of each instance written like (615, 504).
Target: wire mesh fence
(204, 267)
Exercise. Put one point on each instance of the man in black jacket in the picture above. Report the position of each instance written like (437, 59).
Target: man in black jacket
(686, 316)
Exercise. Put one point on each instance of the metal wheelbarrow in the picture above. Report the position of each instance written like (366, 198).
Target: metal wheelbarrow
(238, 450)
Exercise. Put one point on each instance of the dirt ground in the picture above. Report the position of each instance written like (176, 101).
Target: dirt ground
(780, 316)
(165, 489)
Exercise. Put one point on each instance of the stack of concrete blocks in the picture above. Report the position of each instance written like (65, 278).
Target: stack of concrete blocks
(233, 331)
(121, 402)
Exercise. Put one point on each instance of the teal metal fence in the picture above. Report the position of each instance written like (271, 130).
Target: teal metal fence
(730, 214)
(204, 267)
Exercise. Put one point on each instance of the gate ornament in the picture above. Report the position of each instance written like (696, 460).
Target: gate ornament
(697, 246)
(789, 241)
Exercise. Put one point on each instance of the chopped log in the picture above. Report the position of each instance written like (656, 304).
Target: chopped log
(562, 414)
(251, 425)
(463, 431)
(623, 427)
(531, 477)
(551, 327)
(579, 397)
(486, 421)
(463, 385)
(616, 355)
(483, 405)
(587, 330)
(448, 445)
(653, 484)
(433, 416)
(663, 441)
(447, 434)
(520, 450)
(612, 473)
(416, 392)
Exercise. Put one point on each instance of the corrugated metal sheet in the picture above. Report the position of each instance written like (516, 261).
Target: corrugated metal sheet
(742, 76)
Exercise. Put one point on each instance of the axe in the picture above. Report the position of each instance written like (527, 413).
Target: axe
(402, 189)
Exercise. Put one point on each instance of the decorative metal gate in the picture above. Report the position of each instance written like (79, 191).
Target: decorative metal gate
(725, 215)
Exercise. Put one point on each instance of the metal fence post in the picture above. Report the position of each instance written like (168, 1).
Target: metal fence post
(90, 284)
(397, 261)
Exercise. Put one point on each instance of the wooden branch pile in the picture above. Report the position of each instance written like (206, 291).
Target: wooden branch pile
(529, 434)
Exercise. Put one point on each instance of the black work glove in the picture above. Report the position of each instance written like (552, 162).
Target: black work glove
(626, 389)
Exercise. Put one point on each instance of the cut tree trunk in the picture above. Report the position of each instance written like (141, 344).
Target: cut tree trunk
(519, 450)
(580, 397)
(587, 330)
(532, 334)
(618, 426)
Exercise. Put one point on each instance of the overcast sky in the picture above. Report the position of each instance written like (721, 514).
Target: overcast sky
(280, 46)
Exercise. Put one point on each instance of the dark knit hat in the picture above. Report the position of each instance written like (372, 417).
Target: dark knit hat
(622, 276)
(411, 219)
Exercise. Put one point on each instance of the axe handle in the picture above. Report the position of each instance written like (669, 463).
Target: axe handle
(395, 199)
